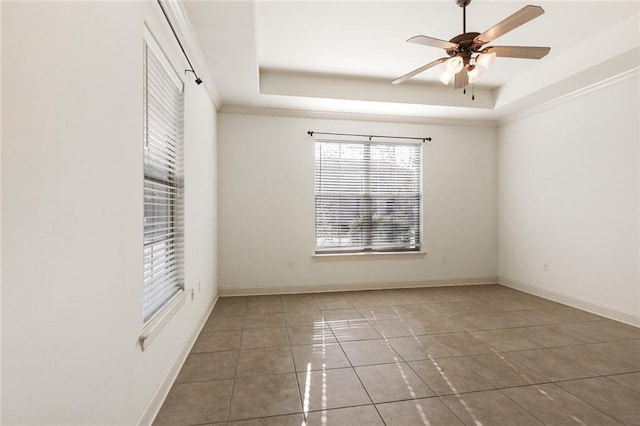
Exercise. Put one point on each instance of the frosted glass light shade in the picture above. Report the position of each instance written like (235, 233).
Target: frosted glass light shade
(474, 74)
(455, 64)
(445, 76)
(486, 59)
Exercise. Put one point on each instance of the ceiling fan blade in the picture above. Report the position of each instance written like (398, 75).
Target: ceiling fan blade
(521, 17)
(462, 79)
(433, 42)
(419, 70)
(524, 52)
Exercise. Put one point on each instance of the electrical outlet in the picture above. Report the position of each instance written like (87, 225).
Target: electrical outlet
(545, 267)
(444, 259)
(290, 263)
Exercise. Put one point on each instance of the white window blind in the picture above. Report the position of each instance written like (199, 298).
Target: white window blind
(368, 196)
(163, 182)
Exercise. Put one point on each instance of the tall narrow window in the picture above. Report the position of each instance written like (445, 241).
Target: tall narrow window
(368, 197)
(163, 182)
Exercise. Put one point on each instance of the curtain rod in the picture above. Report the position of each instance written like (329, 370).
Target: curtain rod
(311, 133)
(198, 79)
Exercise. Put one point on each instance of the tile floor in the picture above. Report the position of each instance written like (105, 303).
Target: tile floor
(473, 355)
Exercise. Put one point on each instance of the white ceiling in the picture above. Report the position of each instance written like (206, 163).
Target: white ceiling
(338, 56)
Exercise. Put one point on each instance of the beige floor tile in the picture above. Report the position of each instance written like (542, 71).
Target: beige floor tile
(341, 315)
(437, 325)
(289, 420)
(256, 321)
(555, 406)
(264, 396)
(309, 317)
(416, 348)
(223, 324)
(359, 299)
(233, 310)
(398, 298)
(495, 320)
(200, 367)
(600, 331)
(218, 341)
(457, 308)
(551, 365)
(463, 343)
(392, 382)
(346, 331)
(502, 372)
(506, 340)
(379, 312)
(193, 403)
(319, 356)
(448, 376)
(456, 294)
(264, 306)
(416, 311)
(256, 362)
(546, 336)
(232, 300)
(364, 415)
(264, 338)
(488, 408)
(299, 303)
(559, 315)
(309, 334)
(368, 352)
(605, 358)
(506, 305)
(630, 380)
(396, 328)
(429, 411)
(614, 399)
(327, 301)
(323, 390)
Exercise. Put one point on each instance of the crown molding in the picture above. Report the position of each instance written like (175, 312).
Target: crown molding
(583, 91)
(180, 20)
(328, 115)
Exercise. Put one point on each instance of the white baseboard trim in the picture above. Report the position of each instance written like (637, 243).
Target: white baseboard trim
(631, 318)
(353, 286)
(150, 413)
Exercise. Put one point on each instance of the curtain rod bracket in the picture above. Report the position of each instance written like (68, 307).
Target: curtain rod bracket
(198, 80)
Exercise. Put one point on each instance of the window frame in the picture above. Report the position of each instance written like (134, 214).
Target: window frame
(156, 320)
(368, 250)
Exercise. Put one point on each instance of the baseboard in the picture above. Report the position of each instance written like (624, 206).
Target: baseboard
(150, 413)
(603, 310)
(353, 286)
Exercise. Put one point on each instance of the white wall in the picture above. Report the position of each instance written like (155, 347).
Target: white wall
(266, 206)
(569, 184)
(72, 214)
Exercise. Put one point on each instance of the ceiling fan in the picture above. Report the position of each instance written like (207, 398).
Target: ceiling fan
(467, 51)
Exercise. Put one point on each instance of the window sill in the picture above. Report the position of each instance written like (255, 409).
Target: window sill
(156, 324)
(369, 256)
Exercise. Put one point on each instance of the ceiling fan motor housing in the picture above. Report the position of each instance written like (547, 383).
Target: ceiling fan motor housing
(463, 3)
(466, 45)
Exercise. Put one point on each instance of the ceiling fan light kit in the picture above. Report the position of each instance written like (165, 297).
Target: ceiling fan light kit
(467, 51)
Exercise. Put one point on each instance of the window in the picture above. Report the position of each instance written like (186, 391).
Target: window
(368, 197)
(163, 183)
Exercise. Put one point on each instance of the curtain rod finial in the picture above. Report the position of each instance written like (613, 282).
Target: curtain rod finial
(310, 133)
